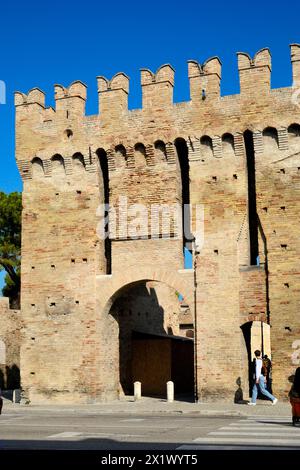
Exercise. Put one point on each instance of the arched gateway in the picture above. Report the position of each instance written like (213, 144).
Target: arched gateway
(147, 323)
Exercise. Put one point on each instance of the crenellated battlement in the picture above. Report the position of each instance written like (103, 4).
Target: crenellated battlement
(64, 130)
(255, 74)
(261, 59)
(113, 94)
(157, 88)
(205, 79)
(34, 96)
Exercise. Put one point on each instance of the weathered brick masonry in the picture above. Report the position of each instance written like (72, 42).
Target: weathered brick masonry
(81, 297)
(10, 344)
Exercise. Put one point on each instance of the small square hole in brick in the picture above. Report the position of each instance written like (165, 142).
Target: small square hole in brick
(53, 266)
(214, 178)
(52, 304)
(216, 252)
(78, 191)
(265, 209)
(284, 246)
(84, 260)
(282, 208)
(235, 176)
(282, 170)
(286, 284)
(73, 260)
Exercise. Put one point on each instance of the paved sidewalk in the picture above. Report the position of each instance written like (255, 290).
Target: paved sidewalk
(152, 406)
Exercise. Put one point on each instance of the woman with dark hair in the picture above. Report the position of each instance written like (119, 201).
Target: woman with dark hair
(295, 397)
(295, 390)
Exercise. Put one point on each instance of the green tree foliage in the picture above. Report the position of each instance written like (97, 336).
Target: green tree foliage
(10, 244)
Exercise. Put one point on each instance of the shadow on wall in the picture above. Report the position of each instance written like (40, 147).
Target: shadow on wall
(239, 395)
(9, 377)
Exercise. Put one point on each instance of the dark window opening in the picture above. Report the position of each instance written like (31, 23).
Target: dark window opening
(206, 146)
(37, 168)
(121, 152)
(105, 181)
(294, 130)
(187, 236)
(252, 210)
(78, 161)
(58, 165)
(186, 326)
(68, 133)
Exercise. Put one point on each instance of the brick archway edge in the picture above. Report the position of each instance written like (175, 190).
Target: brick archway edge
(108, 287)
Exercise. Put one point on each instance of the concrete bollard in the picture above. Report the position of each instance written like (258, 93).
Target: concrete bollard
(170, 391)
(137, 390)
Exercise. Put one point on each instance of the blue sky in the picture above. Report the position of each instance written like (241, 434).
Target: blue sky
(59, 42)
(62, 41)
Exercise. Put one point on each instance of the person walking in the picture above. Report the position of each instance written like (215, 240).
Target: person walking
(260, 381)
(295, 397)
(267, 366)
(295, 390)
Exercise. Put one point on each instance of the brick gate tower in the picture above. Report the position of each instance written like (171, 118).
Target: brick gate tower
(101, 313)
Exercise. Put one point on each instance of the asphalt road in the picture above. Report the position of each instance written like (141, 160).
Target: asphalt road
(92, 431)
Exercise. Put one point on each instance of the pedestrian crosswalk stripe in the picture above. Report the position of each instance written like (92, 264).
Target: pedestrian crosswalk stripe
(64, 435)
(245, 440)
(281, 419)
(262, 425)
(258, 432)
(277, 432)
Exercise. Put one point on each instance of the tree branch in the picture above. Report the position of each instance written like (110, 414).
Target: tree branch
(11, 272)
